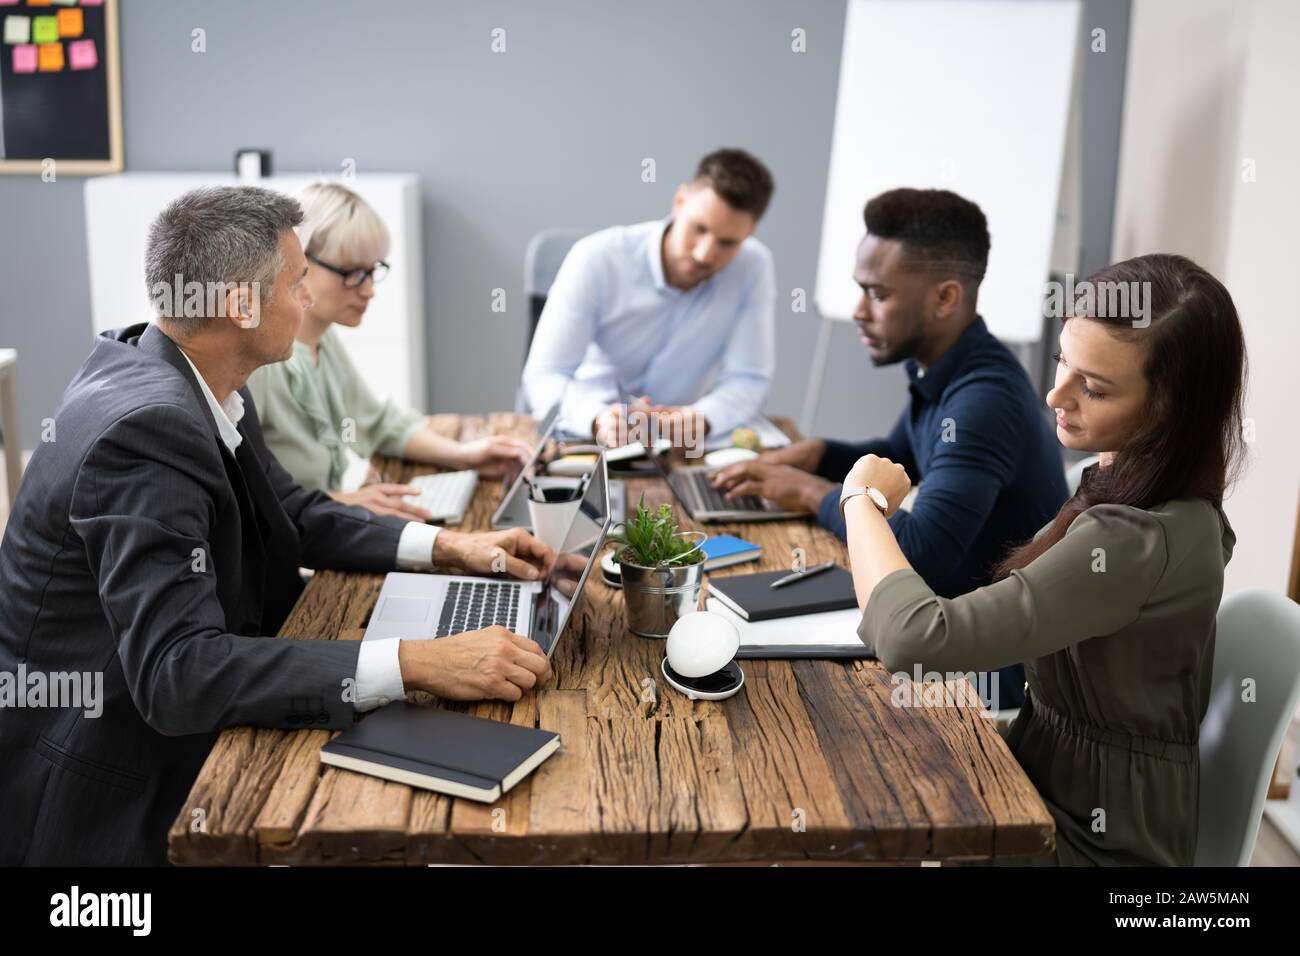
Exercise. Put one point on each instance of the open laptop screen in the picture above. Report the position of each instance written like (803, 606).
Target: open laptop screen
(513, 510)
(580, 551)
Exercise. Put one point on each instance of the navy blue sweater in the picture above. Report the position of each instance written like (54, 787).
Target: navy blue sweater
(976, 436)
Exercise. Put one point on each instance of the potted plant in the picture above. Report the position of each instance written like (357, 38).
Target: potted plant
(661, 569)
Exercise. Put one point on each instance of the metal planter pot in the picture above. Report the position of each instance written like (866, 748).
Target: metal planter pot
(656, 597)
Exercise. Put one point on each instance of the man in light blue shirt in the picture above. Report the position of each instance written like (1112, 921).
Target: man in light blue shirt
(677, 310)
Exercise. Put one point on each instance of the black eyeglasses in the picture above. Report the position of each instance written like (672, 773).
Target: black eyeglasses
(353, 278)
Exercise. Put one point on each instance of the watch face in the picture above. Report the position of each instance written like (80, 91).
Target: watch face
(876, 495)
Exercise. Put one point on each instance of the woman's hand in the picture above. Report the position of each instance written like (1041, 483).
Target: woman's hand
(872, 471)
(493, 456)
(873, 549)
(384, 498)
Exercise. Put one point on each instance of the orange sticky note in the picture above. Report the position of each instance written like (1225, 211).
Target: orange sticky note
(70, 22)
(38, 3)
(49, 57)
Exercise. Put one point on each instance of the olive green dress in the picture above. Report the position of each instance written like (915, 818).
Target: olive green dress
(1115, 626)
(313, 411)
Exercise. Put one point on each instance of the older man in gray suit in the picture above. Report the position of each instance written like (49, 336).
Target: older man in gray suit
(155, 542)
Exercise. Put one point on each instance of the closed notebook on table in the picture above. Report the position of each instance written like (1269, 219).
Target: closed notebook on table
(752, 597)
(452, 753)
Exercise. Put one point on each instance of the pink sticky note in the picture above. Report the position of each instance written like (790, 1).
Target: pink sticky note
(92, 3)
(25, 59)
(81, 55)
(8, 3)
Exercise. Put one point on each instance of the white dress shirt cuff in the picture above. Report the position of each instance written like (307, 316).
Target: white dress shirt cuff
(415, 546)
(379, 674)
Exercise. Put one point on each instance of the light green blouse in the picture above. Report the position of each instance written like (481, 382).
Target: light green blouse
(312, 411)
(1115, 626)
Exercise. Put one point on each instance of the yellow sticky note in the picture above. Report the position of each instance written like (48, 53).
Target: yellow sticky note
(50, 57)
(70, 22)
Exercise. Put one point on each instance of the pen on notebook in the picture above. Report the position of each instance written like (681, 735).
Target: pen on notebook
(800, 575)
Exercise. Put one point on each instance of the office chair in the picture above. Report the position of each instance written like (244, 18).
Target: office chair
(10, 436)
(1258, 639)
(542, 259)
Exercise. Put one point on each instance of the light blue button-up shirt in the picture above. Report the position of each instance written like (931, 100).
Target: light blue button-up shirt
(611, 318)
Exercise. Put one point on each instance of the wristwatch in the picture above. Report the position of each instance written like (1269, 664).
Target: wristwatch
(875, 494)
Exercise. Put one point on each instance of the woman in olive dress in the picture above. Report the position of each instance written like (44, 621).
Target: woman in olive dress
(1111, 607)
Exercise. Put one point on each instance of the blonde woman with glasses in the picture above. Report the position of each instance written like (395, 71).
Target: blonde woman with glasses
(304, 402)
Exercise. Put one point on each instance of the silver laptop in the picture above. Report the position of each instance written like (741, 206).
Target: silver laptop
(692, 487)
(513, 510)
(419, 606)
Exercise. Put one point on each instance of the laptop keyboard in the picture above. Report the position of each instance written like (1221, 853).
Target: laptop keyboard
(713, 500)
(470, 605)
(446, 496)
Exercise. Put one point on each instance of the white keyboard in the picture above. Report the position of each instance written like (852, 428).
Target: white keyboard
(446, 496)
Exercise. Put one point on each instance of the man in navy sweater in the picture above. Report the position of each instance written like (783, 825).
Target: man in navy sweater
(974, 433)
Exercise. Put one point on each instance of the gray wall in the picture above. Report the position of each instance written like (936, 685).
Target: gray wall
(551, 132)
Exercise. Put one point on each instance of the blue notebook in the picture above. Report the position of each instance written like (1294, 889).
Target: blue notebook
(724, 550)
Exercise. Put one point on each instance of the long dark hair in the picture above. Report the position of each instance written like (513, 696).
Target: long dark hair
(1190, 443)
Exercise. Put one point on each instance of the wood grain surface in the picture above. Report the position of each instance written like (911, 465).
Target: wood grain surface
(810, 761)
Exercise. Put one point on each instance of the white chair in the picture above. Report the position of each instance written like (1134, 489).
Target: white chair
(1258, 639)
(9, 430)
(1074, 474)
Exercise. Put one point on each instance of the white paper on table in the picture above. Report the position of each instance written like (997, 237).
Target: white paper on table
(827, 629)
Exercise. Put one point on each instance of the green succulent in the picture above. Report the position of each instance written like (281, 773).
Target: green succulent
(650, 540)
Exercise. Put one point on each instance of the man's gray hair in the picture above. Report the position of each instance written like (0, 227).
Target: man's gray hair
(214, 238)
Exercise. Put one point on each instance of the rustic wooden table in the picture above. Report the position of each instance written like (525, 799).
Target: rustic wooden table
(811, 761)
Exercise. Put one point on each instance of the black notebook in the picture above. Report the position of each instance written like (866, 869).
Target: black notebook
(750, 596)
(442, 750)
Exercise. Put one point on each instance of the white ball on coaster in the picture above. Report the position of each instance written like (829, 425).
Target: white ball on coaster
(700, 659)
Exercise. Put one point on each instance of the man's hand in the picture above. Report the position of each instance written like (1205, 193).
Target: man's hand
(384, 499)
(805, 455)
(872, 471)
(514, 552)
(684, 426)
(493, 456)
(566, 572)
(489, 664)
(784, 485)
(611, 427)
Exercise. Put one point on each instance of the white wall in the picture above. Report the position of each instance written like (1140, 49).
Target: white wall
(1260, 275)
(1211, 84)
(1182, 104)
